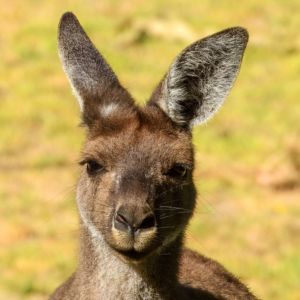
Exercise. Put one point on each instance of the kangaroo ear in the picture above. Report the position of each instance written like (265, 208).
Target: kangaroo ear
(201, 77)
(94, 83)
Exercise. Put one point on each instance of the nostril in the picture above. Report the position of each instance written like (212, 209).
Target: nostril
(121, 219)
(125, 220)
(122, 222)
(148, 222)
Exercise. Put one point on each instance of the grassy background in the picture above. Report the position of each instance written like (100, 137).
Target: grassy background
(248, 157)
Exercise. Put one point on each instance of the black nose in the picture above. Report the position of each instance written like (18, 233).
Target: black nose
(127, 220)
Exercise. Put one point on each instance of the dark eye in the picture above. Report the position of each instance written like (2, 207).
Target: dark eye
(177, 171)
(93, 167)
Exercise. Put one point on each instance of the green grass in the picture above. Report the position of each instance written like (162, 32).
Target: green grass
(248, 224)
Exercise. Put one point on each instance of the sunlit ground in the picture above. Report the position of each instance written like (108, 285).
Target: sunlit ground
(248, 157)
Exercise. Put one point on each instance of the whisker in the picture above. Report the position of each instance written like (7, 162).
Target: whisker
(165, 227)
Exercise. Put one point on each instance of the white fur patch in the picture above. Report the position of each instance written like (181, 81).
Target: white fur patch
(68, 71)
(108, 109)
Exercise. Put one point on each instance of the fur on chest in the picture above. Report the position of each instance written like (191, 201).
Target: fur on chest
(114, 279)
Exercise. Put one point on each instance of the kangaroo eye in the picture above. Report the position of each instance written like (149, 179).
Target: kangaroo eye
(177, 171)
(93, 167)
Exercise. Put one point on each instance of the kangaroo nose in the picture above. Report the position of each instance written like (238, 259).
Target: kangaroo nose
(125, 220)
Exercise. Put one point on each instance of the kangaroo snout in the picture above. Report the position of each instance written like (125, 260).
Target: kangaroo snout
(130, 220)
(134, 230)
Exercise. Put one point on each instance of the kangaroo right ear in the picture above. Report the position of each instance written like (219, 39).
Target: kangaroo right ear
(94, 83)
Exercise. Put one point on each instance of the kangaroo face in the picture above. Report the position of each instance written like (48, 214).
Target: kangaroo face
(136, 185)
(136, 190)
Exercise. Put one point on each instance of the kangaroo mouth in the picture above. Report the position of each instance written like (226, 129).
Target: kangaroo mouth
(133, 255)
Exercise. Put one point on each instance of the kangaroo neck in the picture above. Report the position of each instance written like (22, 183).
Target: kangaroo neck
(107, 276)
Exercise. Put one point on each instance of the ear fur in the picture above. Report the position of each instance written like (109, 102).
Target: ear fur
(94, 83)
(201, 77)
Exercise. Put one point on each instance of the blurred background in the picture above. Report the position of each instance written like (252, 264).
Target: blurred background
(248, 156)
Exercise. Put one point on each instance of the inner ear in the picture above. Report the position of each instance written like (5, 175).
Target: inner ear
(201, 77)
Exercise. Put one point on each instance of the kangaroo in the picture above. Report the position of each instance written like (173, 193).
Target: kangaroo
(136, 195)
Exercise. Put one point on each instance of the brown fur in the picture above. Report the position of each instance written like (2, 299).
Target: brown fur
(136, 194)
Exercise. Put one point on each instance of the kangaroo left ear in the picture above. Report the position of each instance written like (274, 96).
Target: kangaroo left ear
(201, 77)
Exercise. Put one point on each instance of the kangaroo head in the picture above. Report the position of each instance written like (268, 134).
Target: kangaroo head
(136, 190)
